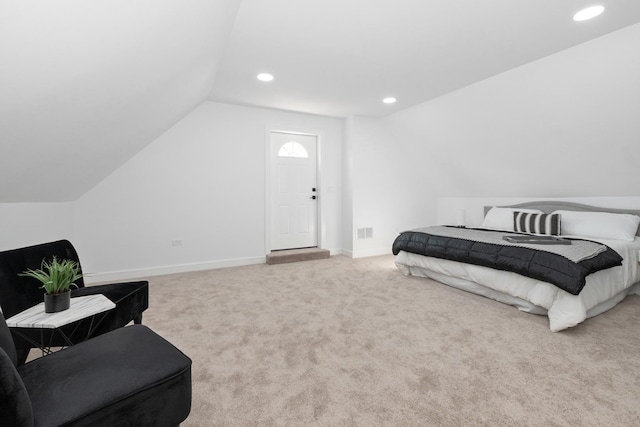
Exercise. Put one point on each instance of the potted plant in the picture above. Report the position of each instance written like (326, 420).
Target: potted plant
(57, 278)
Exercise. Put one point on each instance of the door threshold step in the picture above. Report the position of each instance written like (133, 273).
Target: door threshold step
(296, 255)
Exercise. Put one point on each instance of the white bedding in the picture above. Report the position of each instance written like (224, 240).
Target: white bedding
(603, 289)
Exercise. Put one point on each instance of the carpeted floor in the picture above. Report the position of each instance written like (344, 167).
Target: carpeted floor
(341, 342)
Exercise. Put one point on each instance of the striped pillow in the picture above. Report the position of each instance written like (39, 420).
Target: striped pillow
(533, 223)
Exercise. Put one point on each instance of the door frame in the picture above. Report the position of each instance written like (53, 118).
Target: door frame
(267, 180)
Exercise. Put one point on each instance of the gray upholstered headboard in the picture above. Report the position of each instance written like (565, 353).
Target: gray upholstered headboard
(550, 206)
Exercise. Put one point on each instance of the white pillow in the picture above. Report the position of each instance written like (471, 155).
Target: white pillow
(502, 218)
(599, 224)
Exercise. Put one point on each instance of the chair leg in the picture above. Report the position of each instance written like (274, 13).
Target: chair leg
(138, 319)
(22, 354)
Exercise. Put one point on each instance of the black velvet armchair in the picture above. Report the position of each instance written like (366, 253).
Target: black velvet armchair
(17, 293)
(127, 377)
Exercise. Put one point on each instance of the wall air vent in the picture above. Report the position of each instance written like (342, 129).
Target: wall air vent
(364, 233)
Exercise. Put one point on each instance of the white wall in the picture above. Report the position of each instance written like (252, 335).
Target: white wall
(386, 172)
(347, 186)
(203, 182)
(473, 207)
(26, 224)
(563, 126)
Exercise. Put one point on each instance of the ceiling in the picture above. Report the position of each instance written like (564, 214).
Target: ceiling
(341, 58)
(86, 85)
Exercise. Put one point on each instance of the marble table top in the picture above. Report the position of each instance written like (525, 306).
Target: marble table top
(80, 308)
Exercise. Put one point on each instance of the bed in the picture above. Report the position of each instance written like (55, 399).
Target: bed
(601, 258)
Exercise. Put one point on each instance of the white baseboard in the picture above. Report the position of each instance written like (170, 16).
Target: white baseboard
(142, 273)
(366, 253)
(371, 252)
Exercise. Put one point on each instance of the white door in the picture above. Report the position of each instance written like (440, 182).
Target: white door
(294, 193)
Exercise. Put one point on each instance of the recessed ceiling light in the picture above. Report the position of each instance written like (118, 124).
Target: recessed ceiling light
(265, 77)
(389, 100)
(588, 13)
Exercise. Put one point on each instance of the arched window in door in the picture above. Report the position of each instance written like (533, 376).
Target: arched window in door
(293, 149)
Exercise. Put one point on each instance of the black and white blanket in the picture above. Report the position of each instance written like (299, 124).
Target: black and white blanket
(565, 266)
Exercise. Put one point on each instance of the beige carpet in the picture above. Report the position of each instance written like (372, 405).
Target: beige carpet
(341, 342)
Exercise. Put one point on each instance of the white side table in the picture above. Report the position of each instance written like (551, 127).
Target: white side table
(90, 308)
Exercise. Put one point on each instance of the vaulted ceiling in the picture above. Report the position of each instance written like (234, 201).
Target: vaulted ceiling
(84, 85)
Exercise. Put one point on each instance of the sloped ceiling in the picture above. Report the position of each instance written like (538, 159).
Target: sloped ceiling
(84, 85)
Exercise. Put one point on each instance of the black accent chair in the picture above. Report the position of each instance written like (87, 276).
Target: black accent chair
(127, 377)
(17, 293)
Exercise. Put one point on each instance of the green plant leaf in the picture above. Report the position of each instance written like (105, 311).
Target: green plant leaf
(56, 276)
